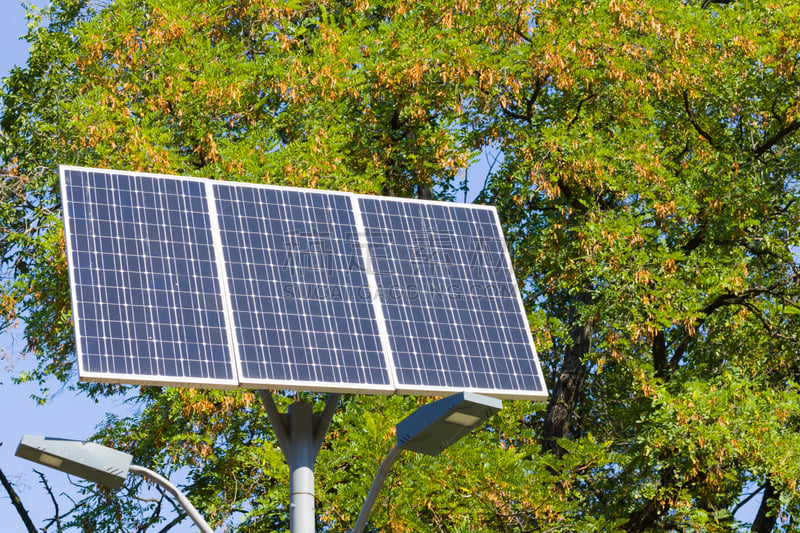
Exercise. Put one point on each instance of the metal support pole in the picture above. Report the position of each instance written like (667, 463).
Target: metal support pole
(377, 484)
(300, 434)
(301, 468)
(172, 489)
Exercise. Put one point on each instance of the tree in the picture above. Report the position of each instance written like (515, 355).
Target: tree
(647, 189)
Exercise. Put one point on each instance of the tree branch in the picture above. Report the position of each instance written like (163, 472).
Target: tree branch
(694, 122)
(23, 513)
(746, 500)
(696, 240)
(57, 515)
(172, 523)
(707, 3)
(643, 518)
(529, 103)
(723, 300)
(767, 516)
(578, 111)
(778, 137)
(659, 348)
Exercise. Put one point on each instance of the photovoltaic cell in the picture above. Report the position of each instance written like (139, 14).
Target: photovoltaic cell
(301, 304)
(452, 308)
(146, 296)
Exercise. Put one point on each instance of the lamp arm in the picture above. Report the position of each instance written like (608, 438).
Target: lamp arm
(377, 484)
(172, 489)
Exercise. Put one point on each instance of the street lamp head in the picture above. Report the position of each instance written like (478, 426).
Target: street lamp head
(88, 460)
(437, 425)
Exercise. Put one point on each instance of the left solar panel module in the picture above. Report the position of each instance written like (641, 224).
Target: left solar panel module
(148, 303)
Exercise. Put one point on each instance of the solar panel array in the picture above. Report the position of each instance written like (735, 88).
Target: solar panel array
(180, 280)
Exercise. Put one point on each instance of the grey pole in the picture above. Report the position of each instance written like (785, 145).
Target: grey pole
(172, 489)
(300, 434)
(301, 468)
(377, 484)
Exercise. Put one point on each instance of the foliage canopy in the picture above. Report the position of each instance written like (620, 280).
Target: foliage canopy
(648, 187)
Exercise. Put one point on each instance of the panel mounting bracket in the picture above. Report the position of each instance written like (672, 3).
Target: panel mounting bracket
(300, 434)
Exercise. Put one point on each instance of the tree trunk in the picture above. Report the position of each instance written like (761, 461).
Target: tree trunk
(766, 517)
(561, 407)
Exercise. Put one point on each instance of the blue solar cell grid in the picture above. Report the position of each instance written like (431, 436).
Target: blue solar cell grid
(453, 312)
(302, 311)
(146, 294)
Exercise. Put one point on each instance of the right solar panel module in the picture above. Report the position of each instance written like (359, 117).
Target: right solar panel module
(453, 312)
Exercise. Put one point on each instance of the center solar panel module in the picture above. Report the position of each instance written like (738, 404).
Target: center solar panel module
(299, 291)
(189, 281)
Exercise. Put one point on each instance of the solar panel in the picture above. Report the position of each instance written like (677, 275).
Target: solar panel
(452, 307)
(183, 280)
(300, 297)
(147, 305)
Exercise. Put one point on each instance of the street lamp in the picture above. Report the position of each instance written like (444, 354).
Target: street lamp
(99, 464)
(430, 430)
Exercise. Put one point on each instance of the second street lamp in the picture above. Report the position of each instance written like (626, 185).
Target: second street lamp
(430, 430)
